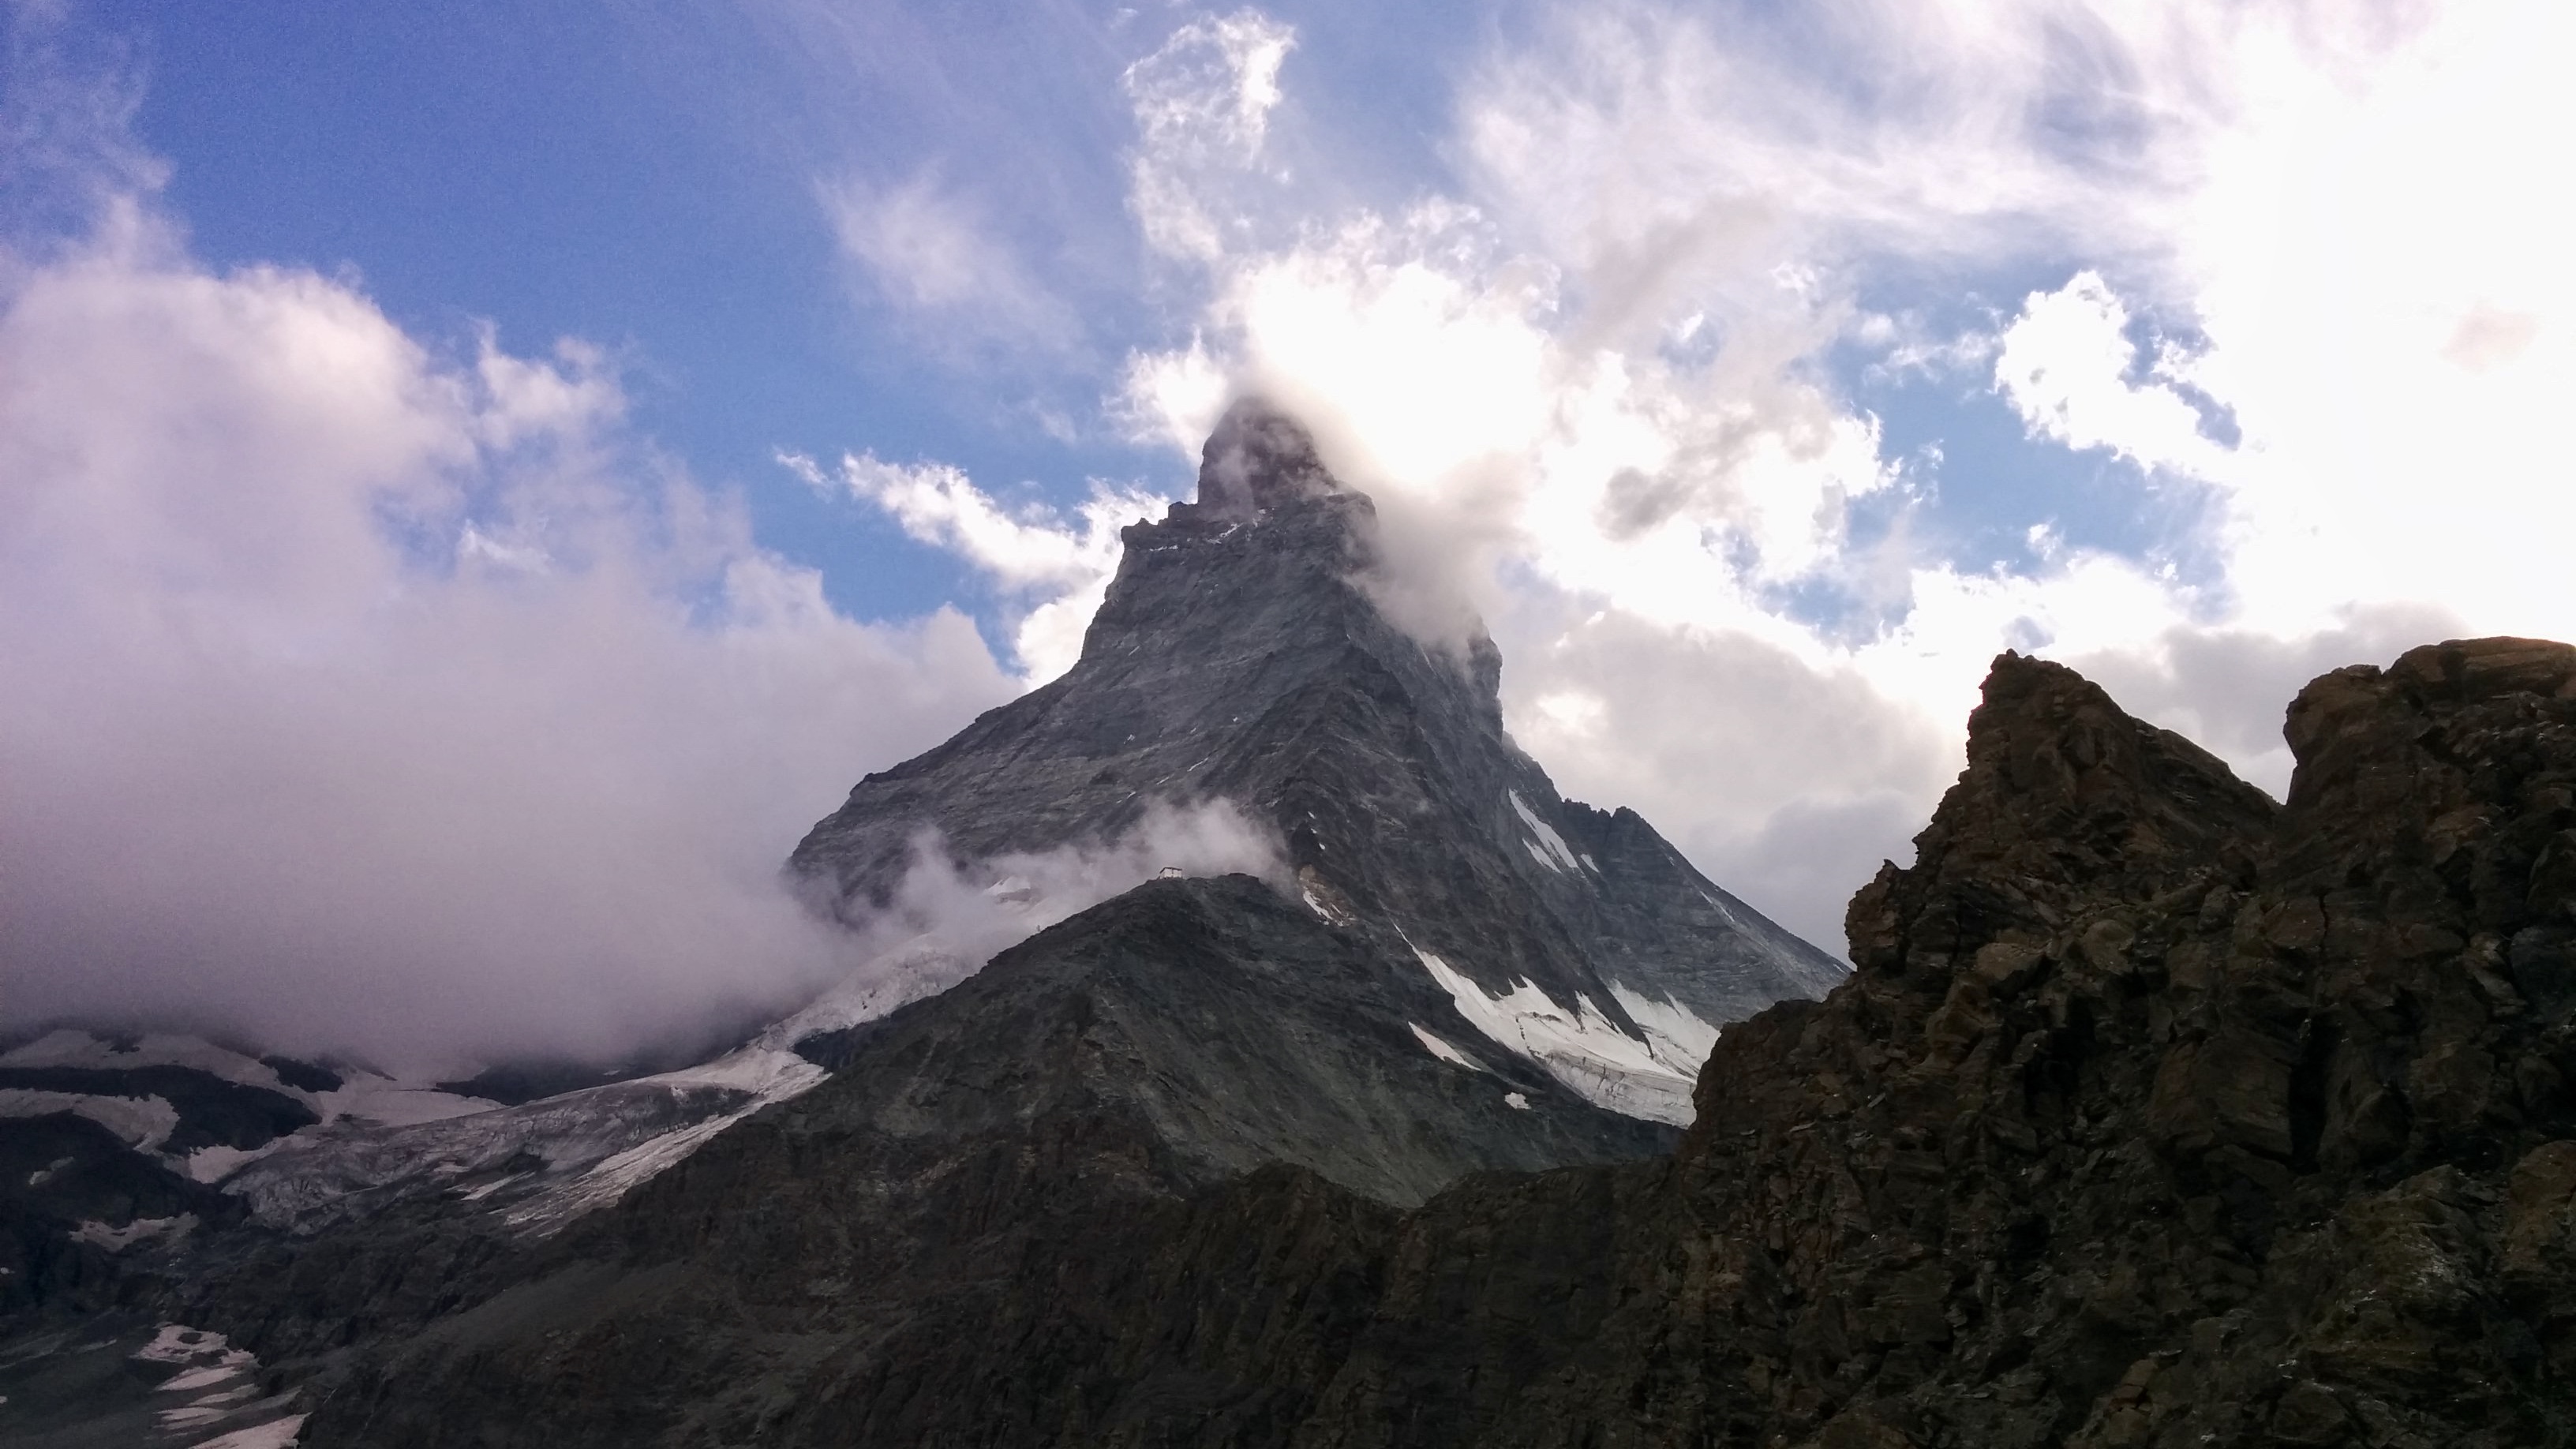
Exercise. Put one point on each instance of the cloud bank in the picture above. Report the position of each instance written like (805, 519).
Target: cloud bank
(368, 699)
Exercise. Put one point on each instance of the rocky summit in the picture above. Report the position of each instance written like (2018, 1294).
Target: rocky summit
(2153, 1112)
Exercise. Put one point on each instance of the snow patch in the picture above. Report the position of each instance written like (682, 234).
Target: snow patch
(70, 1047)
(1550, 849)
(923, 966)
(220, 1384)
(214, 1164)
(1582, 1048)
(208, 1408)
(142, 1123)
(389, 1102)
(1444, 1051)
(117, 1240)
(1676, 1035)
(275, 1434)
(1322, 898)
(362, 1094)
(178, 1343)
(1516, 1101)
(230, 1366)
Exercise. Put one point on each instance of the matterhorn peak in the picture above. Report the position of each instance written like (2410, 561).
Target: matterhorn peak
(1258, 458)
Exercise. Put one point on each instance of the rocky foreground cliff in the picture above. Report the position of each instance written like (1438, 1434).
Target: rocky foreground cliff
(2155, 1114)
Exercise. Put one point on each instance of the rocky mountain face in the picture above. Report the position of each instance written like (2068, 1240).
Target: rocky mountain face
(1240, 657)
(2154, 1114)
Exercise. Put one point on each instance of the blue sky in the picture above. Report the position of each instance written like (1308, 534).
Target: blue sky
(645, 177)
(505, 407)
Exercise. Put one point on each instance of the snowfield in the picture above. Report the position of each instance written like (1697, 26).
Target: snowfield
(1583, 1048)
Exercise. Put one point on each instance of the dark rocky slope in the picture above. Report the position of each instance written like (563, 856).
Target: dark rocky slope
(2154, 1115)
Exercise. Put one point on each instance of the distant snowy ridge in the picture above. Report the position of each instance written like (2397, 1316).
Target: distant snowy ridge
(361, 1093)
(143, 1122)
(539, 1164)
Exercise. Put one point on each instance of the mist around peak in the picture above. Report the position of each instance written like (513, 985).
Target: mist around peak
(946, 917)
(1429, 568)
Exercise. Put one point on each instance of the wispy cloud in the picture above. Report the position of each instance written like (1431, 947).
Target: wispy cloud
(1055, 570)
(1202, 104)
(926, 250)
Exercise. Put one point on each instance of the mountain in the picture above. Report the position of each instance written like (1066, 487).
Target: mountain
(1241, 656)
(1436, 967)
(2155, 1113)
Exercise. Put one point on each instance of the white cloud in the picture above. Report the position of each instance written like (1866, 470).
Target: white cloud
(363, 699)
(2064, 364)
(927, 250)
(1589, 377)
(2379, 265)
(1202, 104)
(1058, 569)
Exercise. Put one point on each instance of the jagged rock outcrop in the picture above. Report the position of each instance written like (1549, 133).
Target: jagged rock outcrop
(2152, 1116)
